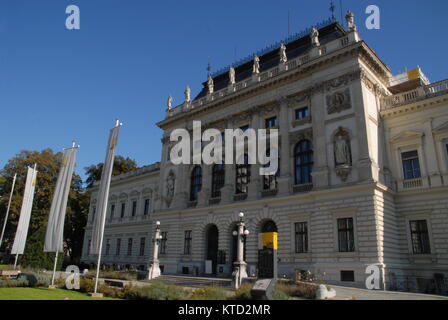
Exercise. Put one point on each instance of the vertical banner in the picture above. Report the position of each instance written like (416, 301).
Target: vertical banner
(103, 193)
(25, 212)
(55, 228)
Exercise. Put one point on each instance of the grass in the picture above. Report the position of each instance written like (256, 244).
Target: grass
(44, 294)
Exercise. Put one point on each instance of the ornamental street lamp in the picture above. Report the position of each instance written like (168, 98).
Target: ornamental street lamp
(240, 266)
(154, 269)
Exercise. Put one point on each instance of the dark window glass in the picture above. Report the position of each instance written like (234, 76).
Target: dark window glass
(271, 123)
(142, 246)
(112, 210)
(134, 208)
(123, 207)
(93, 213)
(218, 179)
(270, 181)
(117, 252)
(420, 237)
(196, 183)
(301, 237)
(244, 128)
(162, 248)
(187, 242)
(88, 247)
(129, 246)
(346, 235)
(303, 162)
(242, 176)
(411, 165)
(302, 113)
(107, 247)
(347, 275)
(146, 209)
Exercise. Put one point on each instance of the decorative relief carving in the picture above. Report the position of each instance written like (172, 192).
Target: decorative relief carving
(297, 136)
(338, 101)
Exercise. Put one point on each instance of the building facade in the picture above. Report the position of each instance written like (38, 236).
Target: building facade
(362, 180)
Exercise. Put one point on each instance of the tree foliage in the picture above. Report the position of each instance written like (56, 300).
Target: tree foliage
(121, 165)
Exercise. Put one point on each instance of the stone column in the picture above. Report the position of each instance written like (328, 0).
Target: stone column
(205, 192)
(429, 147)
(320, 171)
(154, 269)
(228, 190)
(254, 186)
(284, 180)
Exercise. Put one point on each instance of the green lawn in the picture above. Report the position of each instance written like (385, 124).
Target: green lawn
(43, 294)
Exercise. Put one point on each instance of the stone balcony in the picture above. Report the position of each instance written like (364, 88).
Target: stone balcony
(420, 93)
(302, 61)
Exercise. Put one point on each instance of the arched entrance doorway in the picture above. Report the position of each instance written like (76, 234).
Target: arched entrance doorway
(267, 253)
(211, 248)
(234, 246)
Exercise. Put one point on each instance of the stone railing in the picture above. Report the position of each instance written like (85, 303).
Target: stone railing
(292, 64)
(412, 183)
(423, 92)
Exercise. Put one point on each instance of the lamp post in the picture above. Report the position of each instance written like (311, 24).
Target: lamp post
(154, 269)
(240, 265)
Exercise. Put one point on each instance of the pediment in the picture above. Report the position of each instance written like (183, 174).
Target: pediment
(407, 135)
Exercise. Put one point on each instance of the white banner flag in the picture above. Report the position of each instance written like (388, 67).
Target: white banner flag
(55, 227)
(25, 212)
(103, 193)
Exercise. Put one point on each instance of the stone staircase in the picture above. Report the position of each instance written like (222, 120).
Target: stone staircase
(194, 282)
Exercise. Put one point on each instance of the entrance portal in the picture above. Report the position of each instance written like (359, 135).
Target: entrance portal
(212, 236)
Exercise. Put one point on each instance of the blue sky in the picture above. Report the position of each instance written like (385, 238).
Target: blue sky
(57, 85)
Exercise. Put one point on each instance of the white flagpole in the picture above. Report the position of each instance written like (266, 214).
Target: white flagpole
(117, 123)
(7, 210)
(54, 268)
(15, 262)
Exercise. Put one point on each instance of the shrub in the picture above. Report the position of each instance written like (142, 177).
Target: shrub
(35, 279)
(156, 291)
(243, 293)
(304, 290)
(10, 283)
(86, 285)
(279, 294)
(209, 293)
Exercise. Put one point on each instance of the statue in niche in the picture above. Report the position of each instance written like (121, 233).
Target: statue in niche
(283, 57)
(170, 103)
(314, 37)
(256, 67)
(170, 182)
(232, 75)
(210, 84)
(342, 154)
(187, 94)
(350, 19)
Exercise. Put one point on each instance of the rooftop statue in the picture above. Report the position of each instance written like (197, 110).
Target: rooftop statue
(187, 94)
(170, 103)
(350, 19)
(232, 75)
(314, 37)
(210, 84)
(256, 66)
(283, 57)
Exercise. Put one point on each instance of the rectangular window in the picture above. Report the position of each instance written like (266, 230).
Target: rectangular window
(123, 208)
(88, 246)
(302, 113)
(134, 208)
(347, 275)
(271, 123)
(107, 247)
(411, 165)
(420, 237)
(346, 235)
(142, 246)
(117, 250)
(112, 210)
(301, 237)
(130, 247)
(146, 207)
(187, 242)
(162, 247)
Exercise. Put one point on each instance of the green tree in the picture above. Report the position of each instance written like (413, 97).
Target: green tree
(48, 164)
(121, 165)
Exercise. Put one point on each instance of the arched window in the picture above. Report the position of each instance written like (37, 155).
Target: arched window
(303, 162)
(242, 176)
(196, 183)
(270, 181)
(218, 179)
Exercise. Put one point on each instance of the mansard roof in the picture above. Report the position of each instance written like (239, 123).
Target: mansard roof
(294, 47)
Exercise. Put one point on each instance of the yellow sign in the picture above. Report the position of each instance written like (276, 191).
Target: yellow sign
(270, 240)
(414, 74)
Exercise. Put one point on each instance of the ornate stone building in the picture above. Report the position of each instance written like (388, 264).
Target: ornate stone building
(363, 175)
